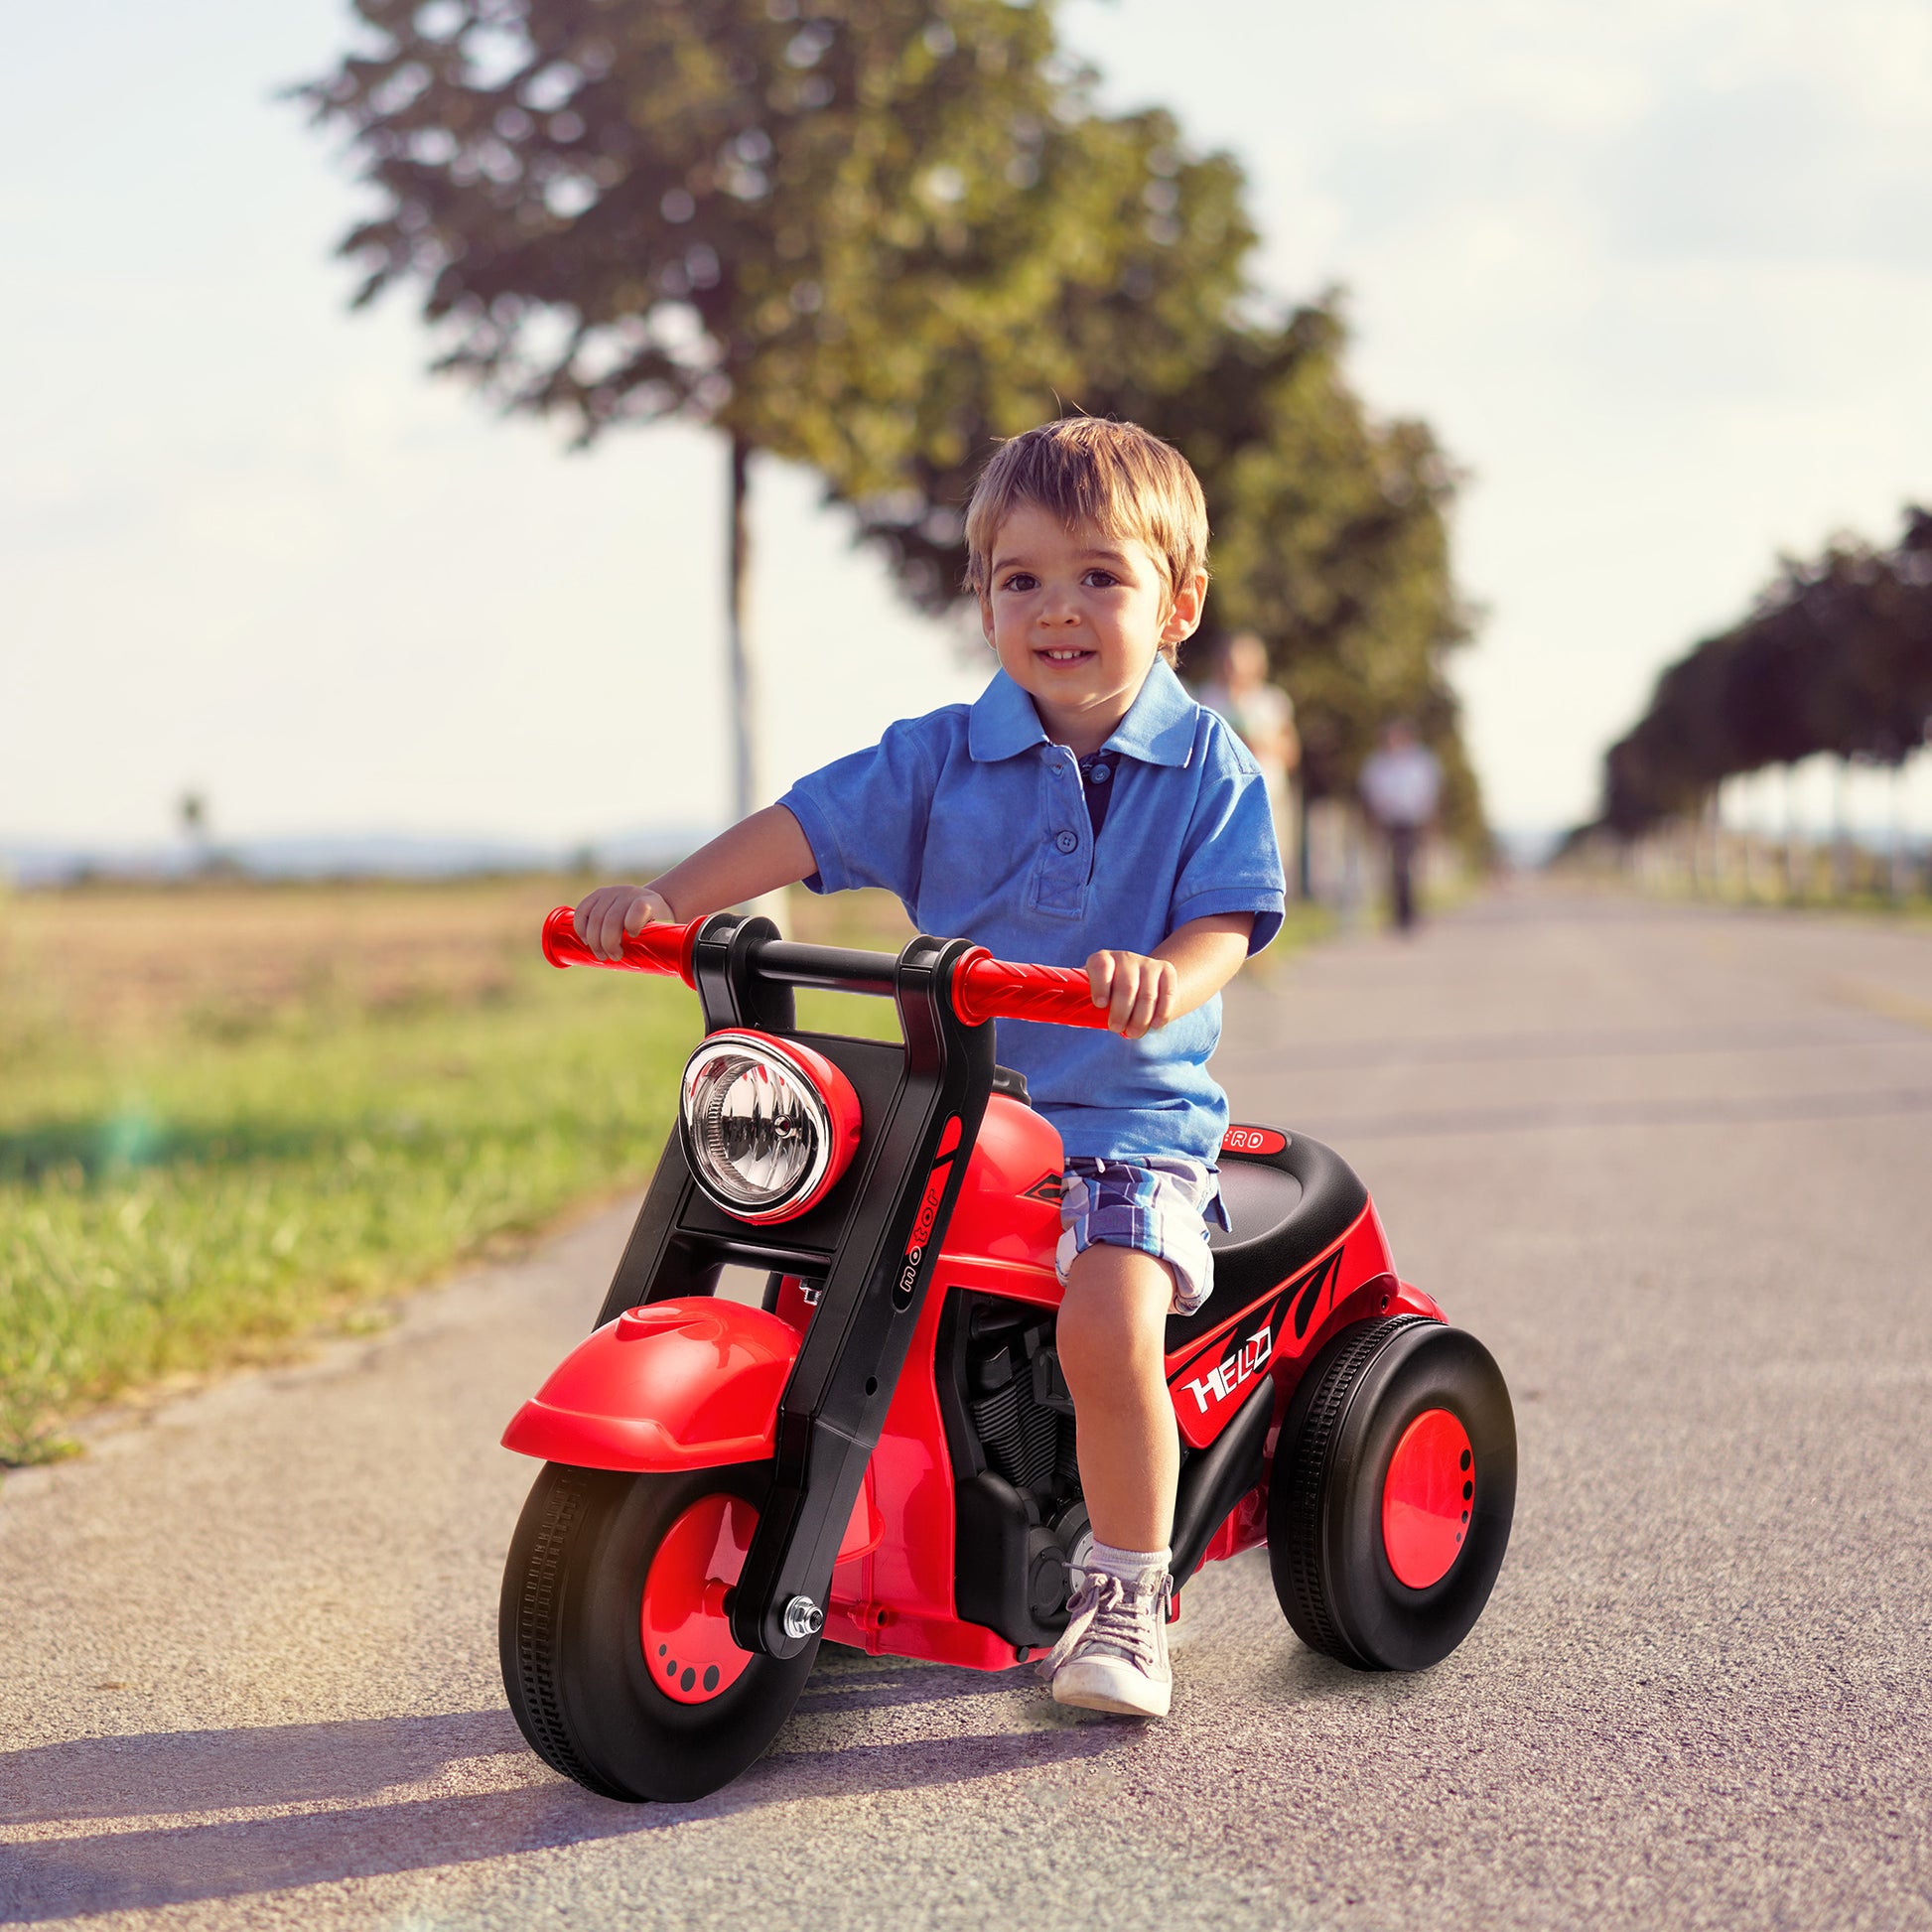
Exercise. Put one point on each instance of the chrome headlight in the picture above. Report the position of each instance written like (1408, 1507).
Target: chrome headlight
(768, 1124)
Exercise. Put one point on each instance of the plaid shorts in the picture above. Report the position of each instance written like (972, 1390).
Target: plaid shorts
(1157, 1204)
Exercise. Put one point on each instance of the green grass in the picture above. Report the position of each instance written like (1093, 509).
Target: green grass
(188, 1203)
(1304, 925)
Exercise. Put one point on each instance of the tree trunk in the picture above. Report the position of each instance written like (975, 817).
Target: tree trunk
(745, 772)
(1895, 840)
(1303, 884)
(1791, 887)
(743, 695)
(1840, 829)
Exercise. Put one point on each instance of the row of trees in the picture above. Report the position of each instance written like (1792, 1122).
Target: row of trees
(1835, 657)
(873, 236)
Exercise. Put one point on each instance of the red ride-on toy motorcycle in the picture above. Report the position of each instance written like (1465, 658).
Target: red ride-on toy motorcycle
(884, 1453)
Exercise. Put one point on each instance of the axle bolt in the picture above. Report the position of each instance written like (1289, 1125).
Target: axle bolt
(803, 1617)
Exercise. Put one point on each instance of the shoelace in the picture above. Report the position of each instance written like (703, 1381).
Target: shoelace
(1122, 1617)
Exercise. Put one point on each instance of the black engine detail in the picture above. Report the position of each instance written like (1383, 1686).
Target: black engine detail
(1016, 1482)
(1026, 1439)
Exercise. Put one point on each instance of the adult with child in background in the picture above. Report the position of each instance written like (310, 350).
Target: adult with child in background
(1084, 811)
(1402, 784)
(1240, 689)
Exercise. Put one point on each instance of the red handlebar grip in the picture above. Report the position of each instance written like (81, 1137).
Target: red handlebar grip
(656, 949)
(985, 988)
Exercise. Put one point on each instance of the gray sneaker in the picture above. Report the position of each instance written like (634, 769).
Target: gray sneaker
(1113, 1654)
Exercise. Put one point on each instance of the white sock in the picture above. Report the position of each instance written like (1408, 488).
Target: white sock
(1130, 1566)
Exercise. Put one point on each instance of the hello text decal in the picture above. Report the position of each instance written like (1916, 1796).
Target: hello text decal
(1230, 1363)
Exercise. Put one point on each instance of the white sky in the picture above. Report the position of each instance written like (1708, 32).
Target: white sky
(1659, 275)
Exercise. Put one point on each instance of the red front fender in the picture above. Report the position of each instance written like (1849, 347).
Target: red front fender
(686, 1384)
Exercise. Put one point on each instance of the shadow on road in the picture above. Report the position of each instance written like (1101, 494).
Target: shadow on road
(356, 1831)
(233, 1770)
(1305, 1677)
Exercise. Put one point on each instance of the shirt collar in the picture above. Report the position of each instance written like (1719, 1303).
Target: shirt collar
(1159, 727)
(1003, 722)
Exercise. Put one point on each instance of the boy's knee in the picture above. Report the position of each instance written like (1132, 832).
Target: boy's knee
(1115, 1308)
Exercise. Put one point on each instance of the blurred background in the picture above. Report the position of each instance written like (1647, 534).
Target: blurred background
(461, 451)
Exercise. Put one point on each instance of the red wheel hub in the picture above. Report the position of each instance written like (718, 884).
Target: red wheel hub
(686, 1633)
(1426, 1498)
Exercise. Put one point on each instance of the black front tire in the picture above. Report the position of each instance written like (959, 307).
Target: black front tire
(1326, 1541)
(568, 1631)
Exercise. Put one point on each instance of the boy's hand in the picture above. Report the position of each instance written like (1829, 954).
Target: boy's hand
(604, 917)
(1137, 992)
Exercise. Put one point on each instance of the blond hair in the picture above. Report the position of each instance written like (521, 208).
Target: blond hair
(1091, 470)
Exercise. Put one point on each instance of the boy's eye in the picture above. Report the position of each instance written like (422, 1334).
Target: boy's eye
(1021, 580)
(1100, 579)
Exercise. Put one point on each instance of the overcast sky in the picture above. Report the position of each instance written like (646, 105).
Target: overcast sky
(1659, 275)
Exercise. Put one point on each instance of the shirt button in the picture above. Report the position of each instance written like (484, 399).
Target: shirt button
(1100, 774)
(1069, 842)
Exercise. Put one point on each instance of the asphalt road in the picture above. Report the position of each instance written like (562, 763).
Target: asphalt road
(1671, 1165)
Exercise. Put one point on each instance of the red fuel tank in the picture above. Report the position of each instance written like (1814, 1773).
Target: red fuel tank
(1008, 1207)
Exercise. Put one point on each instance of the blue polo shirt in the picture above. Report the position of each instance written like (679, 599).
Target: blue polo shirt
(976, 821)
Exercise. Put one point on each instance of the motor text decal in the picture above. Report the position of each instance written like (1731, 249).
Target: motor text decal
(935, 1192)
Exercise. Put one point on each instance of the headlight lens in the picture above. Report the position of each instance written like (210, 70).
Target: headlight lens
(758, 1126)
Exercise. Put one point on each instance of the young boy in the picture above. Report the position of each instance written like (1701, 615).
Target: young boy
(1083, 811)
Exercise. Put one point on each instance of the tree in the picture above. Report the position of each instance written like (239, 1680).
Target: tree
(727, 211)
(1331, 531)
(1332, 544)
(192, 810)
(1835, 657)
(1113, 283)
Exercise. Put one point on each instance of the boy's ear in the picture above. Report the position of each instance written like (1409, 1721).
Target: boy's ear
(986, 617)
(1185, 613)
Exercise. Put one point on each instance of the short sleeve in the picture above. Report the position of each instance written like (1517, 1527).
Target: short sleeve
(865, 816)
(1230, 860)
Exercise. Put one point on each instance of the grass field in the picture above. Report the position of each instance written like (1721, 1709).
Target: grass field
(227, 1117)
(232, 1117)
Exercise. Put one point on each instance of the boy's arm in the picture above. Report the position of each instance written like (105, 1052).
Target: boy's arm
(757, 855)
(1143, 991)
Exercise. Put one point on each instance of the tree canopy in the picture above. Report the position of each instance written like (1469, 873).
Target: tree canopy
(1836, 656)
(632, 208)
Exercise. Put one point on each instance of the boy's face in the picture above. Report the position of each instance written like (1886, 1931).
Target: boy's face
(1077, 618)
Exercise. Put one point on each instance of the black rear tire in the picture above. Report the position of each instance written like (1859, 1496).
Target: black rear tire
(570, 1634)
(1325, 1537)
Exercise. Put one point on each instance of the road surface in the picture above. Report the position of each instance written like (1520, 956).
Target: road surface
(1671, 1165)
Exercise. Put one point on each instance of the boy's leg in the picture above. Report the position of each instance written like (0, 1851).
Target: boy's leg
(1111, 1334)
(1112, 1326)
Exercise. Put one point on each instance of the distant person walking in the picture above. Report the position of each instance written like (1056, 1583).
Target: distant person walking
(1262, 715)
(1400, 786)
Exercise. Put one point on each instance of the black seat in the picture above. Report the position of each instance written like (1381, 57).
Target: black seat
(1286, 1208)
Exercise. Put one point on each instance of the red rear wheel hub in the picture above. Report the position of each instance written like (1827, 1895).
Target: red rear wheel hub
(686, 1634)
(1426, 1498)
